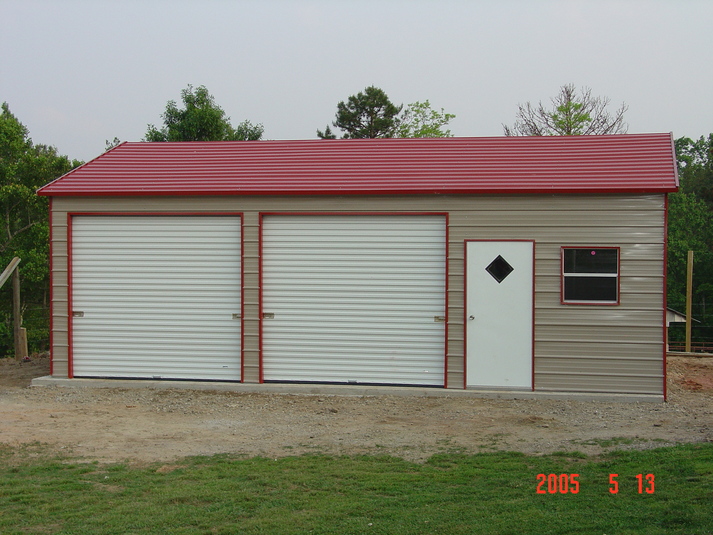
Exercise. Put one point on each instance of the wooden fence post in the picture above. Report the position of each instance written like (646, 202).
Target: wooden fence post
(20, 334)
(23, 343)
(689, 301)
(20, 341)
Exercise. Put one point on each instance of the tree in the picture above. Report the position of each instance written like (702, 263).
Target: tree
(24, 223)
(201, 119)
(368, 114)
(246, 131)
(327, 134)
(695, 166)
(111, 144)
(420, 120)
(690, 228)
(371, 114)
(571, 114)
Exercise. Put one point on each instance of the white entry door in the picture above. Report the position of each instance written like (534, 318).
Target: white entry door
(499, 314)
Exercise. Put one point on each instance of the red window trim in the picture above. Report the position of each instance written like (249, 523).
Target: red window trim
(563, 301)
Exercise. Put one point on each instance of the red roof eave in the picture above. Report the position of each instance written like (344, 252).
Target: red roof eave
(352, 191)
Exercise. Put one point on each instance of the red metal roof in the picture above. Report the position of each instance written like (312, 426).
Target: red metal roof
(634, 163)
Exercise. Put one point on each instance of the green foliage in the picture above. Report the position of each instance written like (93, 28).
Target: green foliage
(368, 114)
(111, 144)
(571, 118)
(327, 134)
(690, 228)
(246, 131)
(450, 493)
(201, 119)
(571, 114)
(695, 166)
(420, 120)
(24, 226)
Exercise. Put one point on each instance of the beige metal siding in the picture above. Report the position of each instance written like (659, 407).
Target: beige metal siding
(251, 297)
(577, 348)
(59, 334)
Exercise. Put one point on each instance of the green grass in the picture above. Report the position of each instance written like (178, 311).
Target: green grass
(489, 493)
(615, 441)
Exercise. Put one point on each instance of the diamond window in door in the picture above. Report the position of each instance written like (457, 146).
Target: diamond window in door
(499, 269)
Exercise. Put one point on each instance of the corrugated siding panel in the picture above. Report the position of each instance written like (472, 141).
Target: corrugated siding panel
(568, 354)
(619, 383)
(157, 294)
(354, 299)
(59, 323)
(594, 365)
(552, 164)
(251, 295)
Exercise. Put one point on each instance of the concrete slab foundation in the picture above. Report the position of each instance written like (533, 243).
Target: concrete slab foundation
(337, 390)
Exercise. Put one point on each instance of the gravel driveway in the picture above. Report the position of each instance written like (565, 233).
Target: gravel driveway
(146, 425)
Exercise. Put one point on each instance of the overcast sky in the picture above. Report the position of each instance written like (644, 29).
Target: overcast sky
(78, 73)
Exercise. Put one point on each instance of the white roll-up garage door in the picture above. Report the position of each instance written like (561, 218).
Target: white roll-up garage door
(156, 297)
(354, 299)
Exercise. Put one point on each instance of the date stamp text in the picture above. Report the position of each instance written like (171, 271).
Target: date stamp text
(570, 484)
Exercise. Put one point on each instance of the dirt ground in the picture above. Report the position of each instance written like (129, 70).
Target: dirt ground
(147, 425)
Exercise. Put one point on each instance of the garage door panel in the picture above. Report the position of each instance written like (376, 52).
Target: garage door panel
(312, 371)
(156, 331)
(347, 337)
(157, 295)
(354, 299)
(336, 349)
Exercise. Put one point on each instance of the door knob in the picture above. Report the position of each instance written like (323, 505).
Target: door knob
(471, 317)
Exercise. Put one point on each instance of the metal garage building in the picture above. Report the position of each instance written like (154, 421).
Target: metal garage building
(517, 263)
